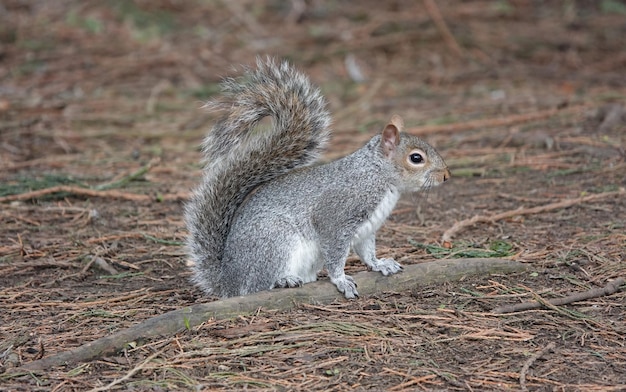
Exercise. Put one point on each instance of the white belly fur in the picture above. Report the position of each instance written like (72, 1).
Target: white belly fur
(305, 261)
(378, 217)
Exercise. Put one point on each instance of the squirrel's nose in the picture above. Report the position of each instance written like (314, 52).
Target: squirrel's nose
(446, 175)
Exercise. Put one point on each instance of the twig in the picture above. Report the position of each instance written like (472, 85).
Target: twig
(449, 379)
(132, 176)
(154, 95)
(435, 15)
(103, 190)
(610, 288)
(92, 193)
(412, 379)
(103, 265)
(529, 362)
(459, 226)
(127, 375)
(494, 122)
(546, 304)
(115, 237)
(77, 274)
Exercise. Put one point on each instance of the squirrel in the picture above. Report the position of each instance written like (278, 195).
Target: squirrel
(264, 217)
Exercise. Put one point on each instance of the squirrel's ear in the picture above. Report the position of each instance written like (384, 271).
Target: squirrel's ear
(389, 139)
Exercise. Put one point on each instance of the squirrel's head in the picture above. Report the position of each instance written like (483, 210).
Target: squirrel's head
(418, 164)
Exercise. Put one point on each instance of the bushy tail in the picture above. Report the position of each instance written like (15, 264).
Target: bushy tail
(240, 154)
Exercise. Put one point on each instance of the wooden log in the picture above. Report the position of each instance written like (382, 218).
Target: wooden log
(320, 292)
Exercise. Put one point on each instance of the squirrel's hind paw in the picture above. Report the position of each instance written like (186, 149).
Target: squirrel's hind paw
(387, 266)
(347, 286)
(289, 281)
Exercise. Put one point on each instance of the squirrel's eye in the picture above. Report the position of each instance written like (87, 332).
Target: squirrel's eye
(416, 158)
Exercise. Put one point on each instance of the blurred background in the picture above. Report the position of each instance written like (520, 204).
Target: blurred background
(70, 69)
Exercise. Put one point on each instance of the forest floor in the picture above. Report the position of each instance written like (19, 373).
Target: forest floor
(101, 120)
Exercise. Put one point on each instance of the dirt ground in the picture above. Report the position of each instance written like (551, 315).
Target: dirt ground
(100, 127)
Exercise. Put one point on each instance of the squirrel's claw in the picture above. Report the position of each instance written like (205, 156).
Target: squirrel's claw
(289, 281)
(387, 266)
(347, 286)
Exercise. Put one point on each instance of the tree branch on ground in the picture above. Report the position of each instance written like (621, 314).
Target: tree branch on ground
(611, 288)
(321, 292)
(459, 226)
(495, 122)
(78, 191)
(442, 26)
(102, 190)
(530, 361)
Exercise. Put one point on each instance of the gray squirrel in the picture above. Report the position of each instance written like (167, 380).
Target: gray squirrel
(263, 217)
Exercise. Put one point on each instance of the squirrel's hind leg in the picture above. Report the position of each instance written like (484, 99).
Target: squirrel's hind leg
(265, 252)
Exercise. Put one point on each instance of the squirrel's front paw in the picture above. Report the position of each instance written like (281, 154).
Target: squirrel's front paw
(387, 266)
(289, 281)
(347, 286)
